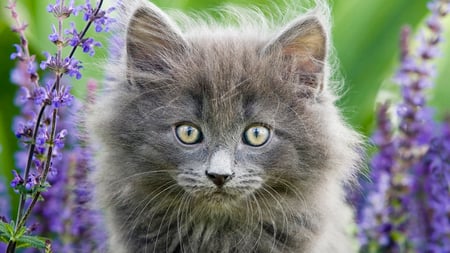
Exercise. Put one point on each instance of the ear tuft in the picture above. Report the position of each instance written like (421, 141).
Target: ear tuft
(151, 41)
(303, 46)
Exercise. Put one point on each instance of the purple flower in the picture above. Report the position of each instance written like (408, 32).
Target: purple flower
(431, 228)
(374, 218)
(49, 62)
(408, 204)
(24, 130)
(62, 98)
(38, 95)
(17, 180)
(74, 40)
(72, 67)
(32, 67)
(54, 37)
(69, 221)
(42, 137)
(18, 54)
(31, 182)
(61, 11)
(101, 19)
(89, 44)
(59, 140)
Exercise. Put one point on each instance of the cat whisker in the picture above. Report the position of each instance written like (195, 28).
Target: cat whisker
(166, 189)
(161, 223)
(260, 217)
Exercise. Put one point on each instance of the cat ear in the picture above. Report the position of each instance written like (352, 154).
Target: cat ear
(151, 41)
(303, 46)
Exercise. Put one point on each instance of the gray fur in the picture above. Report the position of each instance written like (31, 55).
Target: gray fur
(285, 196)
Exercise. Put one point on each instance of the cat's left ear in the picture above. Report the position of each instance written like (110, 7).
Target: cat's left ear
(303, 46)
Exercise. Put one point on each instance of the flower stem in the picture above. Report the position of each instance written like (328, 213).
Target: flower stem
(56, 86)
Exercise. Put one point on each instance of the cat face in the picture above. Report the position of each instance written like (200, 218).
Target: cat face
(225, 118)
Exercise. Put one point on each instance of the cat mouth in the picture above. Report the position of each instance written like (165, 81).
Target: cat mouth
(220, 195)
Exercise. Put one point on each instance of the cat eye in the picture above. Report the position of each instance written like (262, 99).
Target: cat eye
(256, 135)
(188, 134)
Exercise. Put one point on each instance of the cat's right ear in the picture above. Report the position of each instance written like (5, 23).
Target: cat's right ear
(151, 43)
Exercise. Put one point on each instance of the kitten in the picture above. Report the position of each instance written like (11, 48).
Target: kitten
(216, 138)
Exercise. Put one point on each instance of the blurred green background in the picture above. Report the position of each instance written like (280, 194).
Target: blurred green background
(365, 36)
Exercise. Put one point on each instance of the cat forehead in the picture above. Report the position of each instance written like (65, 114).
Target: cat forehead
(228, 64)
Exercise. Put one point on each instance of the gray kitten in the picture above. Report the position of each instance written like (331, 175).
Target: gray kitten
(214, 138)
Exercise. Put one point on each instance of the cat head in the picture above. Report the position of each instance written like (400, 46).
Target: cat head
(227, 114)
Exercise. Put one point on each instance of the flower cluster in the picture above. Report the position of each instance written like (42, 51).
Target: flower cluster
(47, 133)
(403, 205)
(431, 227)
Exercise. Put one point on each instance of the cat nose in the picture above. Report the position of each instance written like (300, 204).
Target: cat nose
(218, 179)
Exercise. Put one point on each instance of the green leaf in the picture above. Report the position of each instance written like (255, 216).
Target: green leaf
(366, 38)
(398, 237)
(21, 232)
(6, 229)
(27, 241)
(4, 239)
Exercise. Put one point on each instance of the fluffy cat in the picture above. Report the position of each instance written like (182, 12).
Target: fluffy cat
(214, 138)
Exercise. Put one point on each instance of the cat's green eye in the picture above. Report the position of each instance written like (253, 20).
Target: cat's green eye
(188, 134)
(256, 135)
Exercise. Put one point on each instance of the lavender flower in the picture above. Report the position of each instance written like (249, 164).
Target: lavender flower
(89, 45)
(17, 180)
(54, 37)
(61, 10)
(42, 130)
(374, 218)
(18, 54)
(432, 196)
(100, 18)
(409, 172)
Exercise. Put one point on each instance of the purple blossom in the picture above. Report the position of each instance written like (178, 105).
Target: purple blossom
(31, 182)
(374, 218)
(431, 228)
(72, 67)
(62, 98)
(18, 54)
(32, 67)
(408, 205)
(20, 75)
(24, 130)
(61, 11)
(74, 40)
(49, 62)
(69, 66)
(54, 37)
(38, 95)
(69, 221)
(100, 18)
(89, 45)
(17, 180)
(59, 140)
(102, 21)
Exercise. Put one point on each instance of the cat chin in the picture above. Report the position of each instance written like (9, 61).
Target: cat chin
(219, 199)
